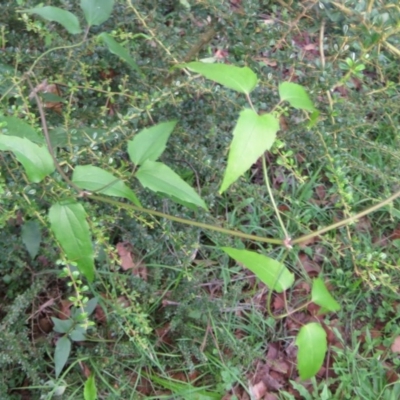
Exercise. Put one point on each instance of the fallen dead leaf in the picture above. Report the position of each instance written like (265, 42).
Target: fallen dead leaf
(127, 260)
(258, 390)
(124, 250)
(85, 369)
(311, 267)
(52, 88)
(279, 302)
(65, 309)
(396, 345)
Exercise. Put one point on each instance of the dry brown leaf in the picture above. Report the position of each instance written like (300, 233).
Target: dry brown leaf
(279, 302)
(127, 260)
(258, 390)
(396, 345)
(99, 314)
(311, 267)
(85, 369)
(270, 396)
(45, 325)
(52, 88)
(65, 309)
(124, 250)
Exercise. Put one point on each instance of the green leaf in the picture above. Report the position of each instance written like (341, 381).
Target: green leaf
(158, 177)
(96, 12)
(61, 354)
(253, 135)
(150, 143)
(7, 73)
(13, 126)
(51, 97)
(321, 296)
(185, 390)
(36, 160)
(65, 18)
(31, 237)
(296, 96)
(312, 344)
(313, 119)
(79, 136)
(93, 178)
(88, 308)
(269, 271)
(68, 222)
(115, 48)
(243, 80)
(62, 325)
(90, 391)
(78, 334)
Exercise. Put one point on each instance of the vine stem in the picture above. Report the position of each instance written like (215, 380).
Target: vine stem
(278, 214)
(349, 220)
(47, 138)
(186, 221)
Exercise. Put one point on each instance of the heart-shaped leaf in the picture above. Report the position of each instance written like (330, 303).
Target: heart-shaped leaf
(321, 296)
(253, 135)
(96, 12)
(296, 96)
(243, 80)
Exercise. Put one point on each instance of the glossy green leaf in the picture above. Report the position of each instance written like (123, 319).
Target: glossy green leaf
(90, 390)
(241, 79)
(13, 126)
(296, 96)
(36, 159)
(321, 296)
(159, 178)
(65, 18)
(31, 236)
(253, 135)
(61, 354)
(312, 344)
(98, 180)
(150, 143)
(97, 11)
(115, 48)
(62, 325)
(68, 222)
(269, 271)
